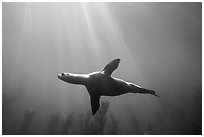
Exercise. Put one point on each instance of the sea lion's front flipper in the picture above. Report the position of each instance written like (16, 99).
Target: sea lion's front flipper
(95, 104)
(110, 67)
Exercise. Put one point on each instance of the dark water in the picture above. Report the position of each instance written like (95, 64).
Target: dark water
(160, 47)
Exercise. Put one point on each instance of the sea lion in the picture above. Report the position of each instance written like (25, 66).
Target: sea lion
(101, 83)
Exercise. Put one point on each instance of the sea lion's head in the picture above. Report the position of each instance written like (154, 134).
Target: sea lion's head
(64, 76)
(71, 78)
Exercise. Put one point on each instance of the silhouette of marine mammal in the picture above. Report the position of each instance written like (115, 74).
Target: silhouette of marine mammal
(101, 83)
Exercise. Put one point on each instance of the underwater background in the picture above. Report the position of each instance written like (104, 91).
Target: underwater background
(160, 47)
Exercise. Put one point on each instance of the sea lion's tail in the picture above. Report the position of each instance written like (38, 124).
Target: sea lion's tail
(143, 91)
(152, 92)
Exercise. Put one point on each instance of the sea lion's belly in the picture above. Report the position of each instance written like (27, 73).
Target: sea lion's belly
(113, 87)
(107, 86)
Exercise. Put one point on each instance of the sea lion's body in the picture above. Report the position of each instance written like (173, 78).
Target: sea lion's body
(101, 83)
(104, 85)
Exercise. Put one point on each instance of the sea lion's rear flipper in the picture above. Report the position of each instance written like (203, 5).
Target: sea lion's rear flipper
(110, 67)
(95, 104)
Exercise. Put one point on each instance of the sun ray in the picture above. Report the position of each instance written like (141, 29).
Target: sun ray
(94, 45)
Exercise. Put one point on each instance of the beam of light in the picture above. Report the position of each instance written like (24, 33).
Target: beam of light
(18, 45)
(94, 45)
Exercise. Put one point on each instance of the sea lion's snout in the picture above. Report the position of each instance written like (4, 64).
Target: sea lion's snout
(59, 76)
(118, 60)
(62, 75)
